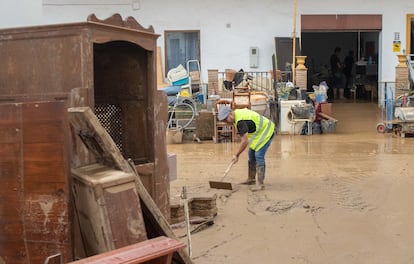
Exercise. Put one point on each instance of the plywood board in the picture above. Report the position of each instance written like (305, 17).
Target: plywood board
(35, 212)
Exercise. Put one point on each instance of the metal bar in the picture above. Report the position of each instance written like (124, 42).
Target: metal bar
(56, 259)
(187, 218)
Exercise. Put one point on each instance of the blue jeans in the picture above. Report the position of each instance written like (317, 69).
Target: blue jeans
(259, 156)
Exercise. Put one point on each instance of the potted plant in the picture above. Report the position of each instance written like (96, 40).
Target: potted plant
(283, 90)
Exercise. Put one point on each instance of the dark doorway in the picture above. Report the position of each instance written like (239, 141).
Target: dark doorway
(411, 37)
(318, 47)
(322, 33)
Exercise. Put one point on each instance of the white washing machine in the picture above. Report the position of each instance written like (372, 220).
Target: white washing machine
(286, 127)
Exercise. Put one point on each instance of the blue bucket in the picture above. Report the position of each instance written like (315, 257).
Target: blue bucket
(201, 98)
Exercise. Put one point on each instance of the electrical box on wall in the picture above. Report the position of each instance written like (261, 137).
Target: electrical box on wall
(254, 57)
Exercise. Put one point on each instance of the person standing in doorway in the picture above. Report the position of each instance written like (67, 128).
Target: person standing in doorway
(256, 133)
(336, 74)
(348, 67)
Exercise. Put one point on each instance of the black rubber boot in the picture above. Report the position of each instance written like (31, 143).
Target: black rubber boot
(252, 174)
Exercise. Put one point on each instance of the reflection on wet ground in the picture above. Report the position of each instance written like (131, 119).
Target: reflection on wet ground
(342, 192)
(355, 144)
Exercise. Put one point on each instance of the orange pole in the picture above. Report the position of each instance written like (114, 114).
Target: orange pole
(294, 44)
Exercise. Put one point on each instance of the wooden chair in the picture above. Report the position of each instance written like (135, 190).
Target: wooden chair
(222, 128)
(241, 98)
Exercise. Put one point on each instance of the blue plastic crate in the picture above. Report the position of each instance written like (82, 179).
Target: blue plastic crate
(181, 81)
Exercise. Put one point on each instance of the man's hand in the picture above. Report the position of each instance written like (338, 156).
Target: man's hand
(235, 159)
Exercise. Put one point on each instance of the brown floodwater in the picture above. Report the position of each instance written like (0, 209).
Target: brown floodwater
(343, 197)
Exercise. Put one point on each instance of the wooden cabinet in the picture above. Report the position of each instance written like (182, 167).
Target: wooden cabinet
(108, 65)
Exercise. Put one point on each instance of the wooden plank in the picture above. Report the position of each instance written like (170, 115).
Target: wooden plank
(325, 116)
(119, 218)
(160, 182)
(10, 126)
(45, 131)
(55, 62)
(45, 163)
(146, 174)
(9, 168)
(38, 187)
(44, 151)
(12, 246)
(10, 152)
(340, 22)
(14, 252)
(156, 250)
(45, 220)
(46, 204)
(35, 209)
(39, 252)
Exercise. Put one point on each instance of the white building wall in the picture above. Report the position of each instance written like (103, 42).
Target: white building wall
(228, 28)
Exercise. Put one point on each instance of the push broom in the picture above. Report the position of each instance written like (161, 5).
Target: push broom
(221, 184)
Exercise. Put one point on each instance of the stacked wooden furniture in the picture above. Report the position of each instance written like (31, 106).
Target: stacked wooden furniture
(212, 81)
(200, 207)
(101, 190)
(111, 201)
(108, 65)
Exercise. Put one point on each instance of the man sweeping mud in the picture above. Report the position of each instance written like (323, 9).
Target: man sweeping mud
(256, 132)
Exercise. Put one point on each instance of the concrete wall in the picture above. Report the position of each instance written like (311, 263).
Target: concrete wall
(228, 28)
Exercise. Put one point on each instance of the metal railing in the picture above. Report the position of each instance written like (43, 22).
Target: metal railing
(258, 80)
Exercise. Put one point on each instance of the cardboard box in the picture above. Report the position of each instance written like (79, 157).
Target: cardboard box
(326, 108)
(195, 76)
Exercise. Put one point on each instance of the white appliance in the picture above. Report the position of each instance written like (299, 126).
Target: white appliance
(254, 57)
(286, 127)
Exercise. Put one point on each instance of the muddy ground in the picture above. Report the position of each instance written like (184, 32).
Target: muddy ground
(345, 197)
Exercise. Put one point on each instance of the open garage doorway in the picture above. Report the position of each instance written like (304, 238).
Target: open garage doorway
(319, 46)
(410, 33)
(321, 34)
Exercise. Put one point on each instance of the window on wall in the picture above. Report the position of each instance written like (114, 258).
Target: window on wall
(180, 47)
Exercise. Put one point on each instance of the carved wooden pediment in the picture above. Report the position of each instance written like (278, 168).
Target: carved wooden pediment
(116, 20)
